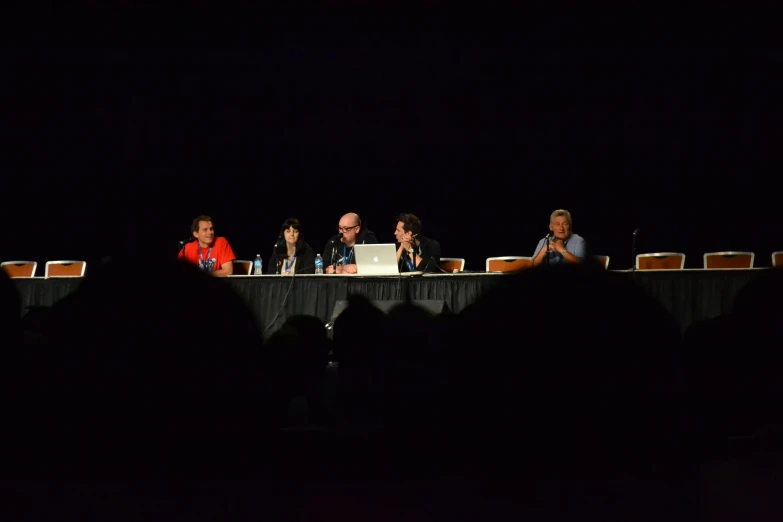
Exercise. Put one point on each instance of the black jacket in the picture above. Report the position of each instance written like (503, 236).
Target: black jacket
(365, 237)
(429, 252)
(305, 260)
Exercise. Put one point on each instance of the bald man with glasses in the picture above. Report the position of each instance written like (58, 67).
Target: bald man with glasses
(338, 252)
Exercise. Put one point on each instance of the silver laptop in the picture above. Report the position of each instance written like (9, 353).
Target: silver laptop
(376, 259)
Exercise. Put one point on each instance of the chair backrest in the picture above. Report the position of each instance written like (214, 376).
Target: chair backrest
(242, 267)
(65, 268)
(660, 261)
(508, 263)
(777, 258)
(450, 264)
(19, 268)
(729, 260)
(603, 261)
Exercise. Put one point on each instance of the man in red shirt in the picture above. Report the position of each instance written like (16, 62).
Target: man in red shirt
(211, 254)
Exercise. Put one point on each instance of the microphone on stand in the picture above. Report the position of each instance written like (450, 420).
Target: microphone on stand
(186, 241)
(280, 253)
(427, 264)
(546, 256)
(334, 247)
(633, 250)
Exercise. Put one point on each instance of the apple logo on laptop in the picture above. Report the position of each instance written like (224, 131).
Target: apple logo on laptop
(375, 259)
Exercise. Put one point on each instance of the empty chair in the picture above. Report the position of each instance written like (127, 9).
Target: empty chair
(242, 267)
(19, 268)
(729, 260)
(660, 261)
(65, 268)
(777, 258)
(450, 264)
(508, 263)
(603, 261)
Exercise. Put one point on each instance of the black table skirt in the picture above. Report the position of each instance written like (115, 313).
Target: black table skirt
(690, 295)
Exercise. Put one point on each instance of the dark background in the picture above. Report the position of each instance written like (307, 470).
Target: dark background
(120, 128)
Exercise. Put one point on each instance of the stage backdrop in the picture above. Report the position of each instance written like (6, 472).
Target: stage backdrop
(115, 143)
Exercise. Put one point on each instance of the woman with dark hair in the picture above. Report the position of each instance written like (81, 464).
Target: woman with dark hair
(291, 254)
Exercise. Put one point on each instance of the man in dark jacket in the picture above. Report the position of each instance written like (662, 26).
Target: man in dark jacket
(415, 253)
(338, 252)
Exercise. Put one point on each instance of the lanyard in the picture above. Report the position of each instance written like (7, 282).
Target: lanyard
(205, 262)
(288, 266)
(347, 257)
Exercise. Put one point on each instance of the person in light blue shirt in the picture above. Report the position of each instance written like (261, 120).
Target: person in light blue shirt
(561, 246)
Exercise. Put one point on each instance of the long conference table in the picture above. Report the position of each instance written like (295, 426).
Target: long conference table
(689, 295)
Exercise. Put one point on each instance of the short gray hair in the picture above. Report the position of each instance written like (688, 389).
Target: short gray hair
(562, 213)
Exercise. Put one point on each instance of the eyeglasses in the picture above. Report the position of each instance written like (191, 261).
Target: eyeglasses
(345, 229)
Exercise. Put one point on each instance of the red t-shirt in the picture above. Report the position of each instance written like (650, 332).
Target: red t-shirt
(208, 259)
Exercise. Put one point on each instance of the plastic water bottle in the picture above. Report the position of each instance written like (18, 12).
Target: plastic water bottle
(258, 265)
(319, 264)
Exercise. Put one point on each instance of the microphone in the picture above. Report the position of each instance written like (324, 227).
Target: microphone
(633, 250)
(427, 264)
(438, 267)
(186, 241)
(334, 247)
(280, 253)
(548, 236)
